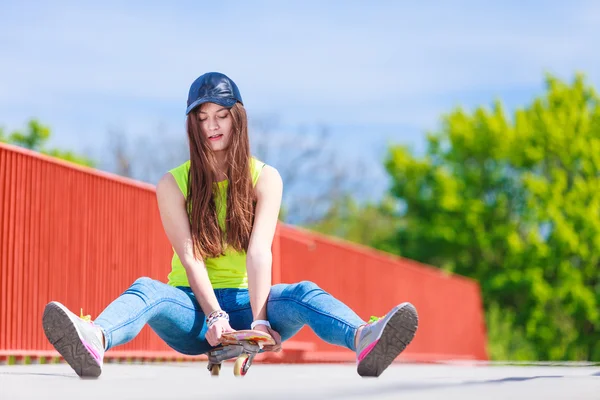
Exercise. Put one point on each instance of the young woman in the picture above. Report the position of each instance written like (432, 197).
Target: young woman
(219, 211)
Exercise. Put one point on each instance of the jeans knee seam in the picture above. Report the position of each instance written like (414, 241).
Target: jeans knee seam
(315, 310)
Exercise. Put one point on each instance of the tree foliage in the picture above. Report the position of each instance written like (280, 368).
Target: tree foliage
(36, 137)
(515, 204)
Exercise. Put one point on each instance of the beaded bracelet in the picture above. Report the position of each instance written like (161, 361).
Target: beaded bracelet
(214, 316)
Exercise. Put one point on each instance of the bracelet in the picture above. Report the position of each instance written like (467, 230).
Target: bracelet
(214, 316)
(260, 322)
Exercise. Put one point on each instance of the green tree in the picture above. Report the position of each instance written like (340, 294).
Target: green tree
(514, 204)
(35, 138)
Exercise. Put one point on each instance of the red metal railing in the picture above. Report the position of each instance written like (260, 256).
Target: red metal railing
(81, 236)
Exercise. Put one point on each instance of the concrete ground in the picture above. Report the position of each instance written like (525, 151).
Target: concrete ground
(290, 382)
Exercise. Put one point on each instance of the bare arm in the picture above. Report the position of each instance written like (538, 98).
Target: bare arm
(259, 258)
(171, 205)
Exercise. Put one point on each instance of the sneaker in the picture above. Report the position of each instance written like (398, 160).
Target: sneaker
(383, 339)
(77, 339)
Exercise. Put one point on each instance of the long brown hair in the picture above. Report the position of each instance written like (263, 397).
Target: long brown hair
(207, 236)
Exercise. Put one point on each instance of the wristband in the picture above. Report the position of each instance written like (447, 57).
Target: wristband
(214, 316)
(260, 322)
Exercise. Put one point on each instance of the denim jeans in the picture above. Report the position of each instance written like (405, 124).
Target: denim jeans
(176, 317)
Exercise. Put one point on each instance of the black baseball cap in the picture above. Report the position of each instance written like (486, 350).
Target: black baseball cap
(213, 87)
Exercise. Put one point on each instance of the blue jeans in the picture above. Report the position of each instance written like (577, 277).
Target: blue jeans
(176, 317)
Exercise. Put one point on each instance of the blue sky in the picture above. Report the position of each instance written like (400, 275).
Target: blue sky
(375, 72)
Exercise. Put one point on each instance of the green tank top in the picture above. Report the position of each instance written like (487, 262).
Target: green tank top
(229, 270)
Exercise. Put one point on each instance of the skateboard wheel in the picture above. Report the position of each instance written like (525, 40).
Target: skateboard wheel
(239, 368)
(215, 369)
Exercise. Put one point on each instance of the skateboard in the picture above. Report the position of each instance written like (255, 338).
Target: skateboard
(241, 344)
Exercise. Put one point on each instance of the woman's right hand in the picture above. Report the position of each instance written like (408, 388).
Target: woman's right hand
(218, 328)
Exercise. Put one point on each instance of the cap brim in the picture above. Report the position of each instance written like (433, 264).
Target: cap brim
(217, 100)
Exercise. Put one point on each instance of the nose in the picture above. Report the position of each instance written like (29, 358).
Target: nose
(213, 124)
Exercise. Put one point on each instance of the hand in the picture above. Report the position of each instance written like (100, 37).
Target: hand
(214, 333)
(277, 346)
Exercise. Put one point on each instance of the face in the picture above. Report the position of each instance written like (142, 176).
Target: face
(216, 124)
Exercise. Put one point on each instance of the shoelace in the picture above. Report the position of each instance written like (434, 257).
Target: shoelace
(87, 318)
(374, 319)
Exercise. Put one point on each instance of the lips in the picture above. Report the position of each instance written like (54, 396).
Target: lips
(215, 137)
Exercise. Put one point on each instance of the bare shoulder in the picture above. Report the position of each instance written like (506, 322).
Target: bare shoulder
(167, 187)
(269, 179)
(165, 182)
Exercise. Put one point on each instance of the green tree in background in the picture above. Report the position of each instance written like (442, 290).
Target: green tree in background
(35, 138)
(515, 204)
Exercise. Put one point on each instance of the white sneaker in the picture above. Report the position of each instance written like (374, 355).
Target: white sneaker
(382, 340)
(77, 340)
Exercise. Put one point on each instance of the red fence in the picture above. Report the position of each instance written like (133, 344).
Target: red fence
(451, 324)
(81, 237)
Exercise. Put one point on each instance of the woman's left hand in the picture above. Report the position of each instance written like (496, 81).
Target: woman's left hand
(277, 346)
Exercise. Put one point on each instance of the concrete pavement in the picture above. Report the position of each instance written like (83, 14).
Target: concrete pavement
(290, 382)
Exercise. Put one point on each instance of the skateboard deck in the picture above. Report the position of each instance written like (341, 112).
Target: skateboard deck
(251, 336)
